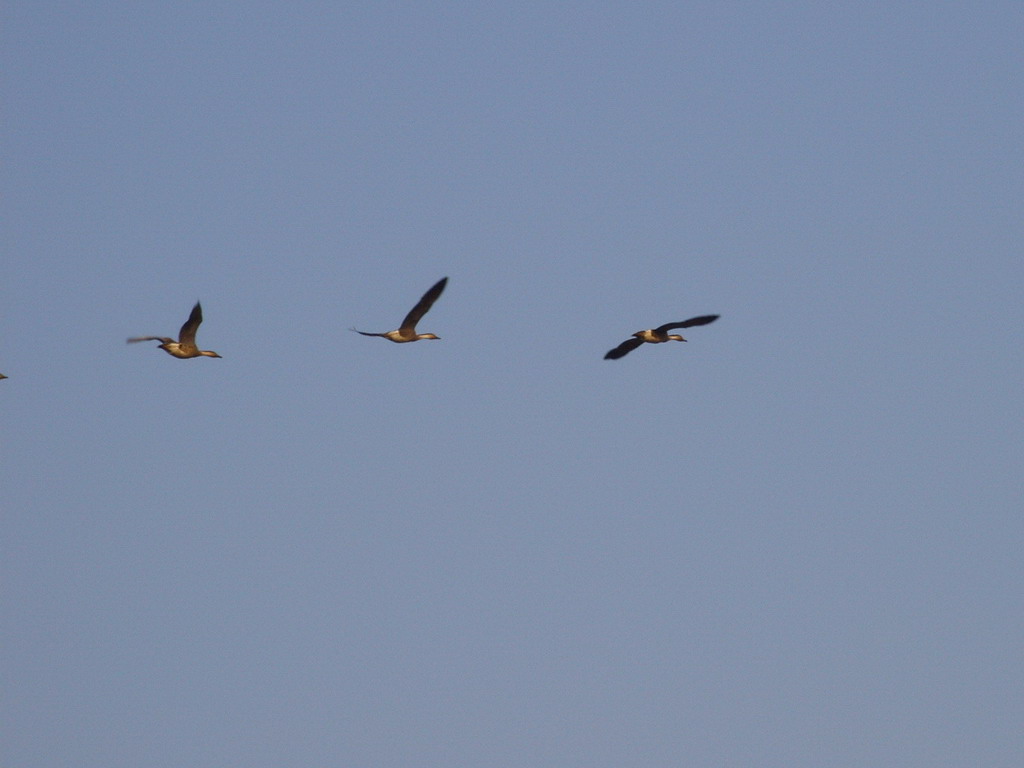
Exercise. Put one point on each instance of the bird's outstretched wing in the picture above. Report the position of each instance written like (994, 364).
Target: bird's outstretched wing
(423, 305)
(702, 320)
(364, 333)
(187, 334)
(623, 349)
(161, 339)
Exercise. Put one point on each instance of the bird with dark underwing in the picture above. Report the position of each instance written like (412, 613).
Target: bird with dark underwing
(407, 330)
(185, 347)
(657, 336)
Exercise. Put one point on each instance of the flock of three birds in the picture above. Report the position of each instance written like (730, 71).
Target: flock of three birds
(185, 346)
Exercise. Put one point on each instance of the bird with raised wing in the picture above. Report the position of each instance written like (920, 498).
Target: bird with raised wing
(407, 330)
(185, 347)
(657, 336)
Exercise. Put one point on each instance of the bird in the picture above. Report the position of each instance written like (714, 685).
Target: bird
(2, 376)
(657, 335)
(185, 347)
(407, 330)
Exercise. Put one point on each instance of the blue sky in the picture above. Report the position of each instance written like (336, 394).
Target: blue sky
(793, 541)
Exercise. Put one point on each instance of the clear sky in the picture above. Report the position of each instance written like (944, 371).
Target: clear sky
(794, 541)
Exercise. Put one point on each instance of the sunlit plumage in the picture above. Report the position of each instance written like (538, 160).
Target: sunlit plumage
(185, 347)
(407, 330)
(656, 336)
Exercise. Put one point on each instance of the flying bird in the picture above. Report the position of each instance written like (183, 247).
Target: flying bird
(2, 376)
(407, 330)
(185, 347)
(657, 336)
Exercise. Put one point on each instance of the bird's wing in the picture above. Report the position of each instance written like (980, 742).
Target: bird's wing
(364, 333)
(424, 304)
(187, 334)
(702, 320)
(161, 339)
(623, 349)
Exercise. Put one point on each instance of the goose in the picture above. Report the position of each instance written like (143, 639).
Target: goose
(407, 331)
(185, 347)
(2, 376)
(657, 335)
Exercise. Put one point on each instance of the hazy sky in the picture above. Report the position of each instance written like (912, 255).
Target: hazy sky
(794, 541)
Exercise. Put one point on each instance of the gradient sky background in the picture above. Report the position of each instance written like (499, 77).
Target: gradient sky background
(794, 541)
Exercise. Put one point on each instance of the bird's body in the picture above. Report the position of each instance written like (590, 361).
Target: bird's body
(182, 351)
(185, 347)
(657, 336)
(400, 336)
(407, 331)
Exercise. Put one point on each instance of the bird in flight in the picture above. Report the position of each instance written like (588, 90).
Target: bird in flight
(657, 336)
(185, 347)
(407, 330)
